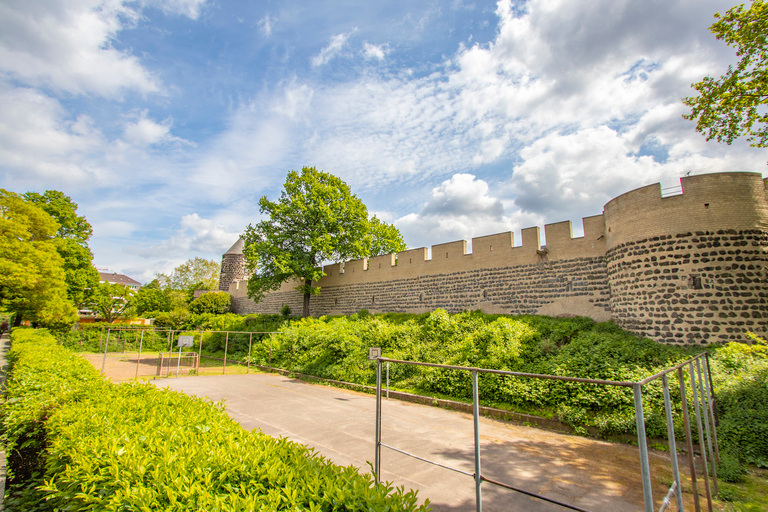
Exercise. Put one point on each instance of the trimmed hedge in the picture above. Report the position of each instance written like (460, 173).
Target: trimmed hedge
(77, 442)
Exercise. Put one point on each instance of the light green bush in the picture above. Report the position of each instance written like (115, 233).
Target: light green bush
(78, 442)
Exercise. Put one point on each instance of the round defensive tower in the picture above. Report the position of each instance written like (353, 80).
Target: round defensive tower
(690, 268)
(232, 265)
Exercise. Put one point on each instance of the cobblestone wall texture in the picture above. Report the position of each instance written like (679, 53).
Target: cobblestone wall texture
(690, 268)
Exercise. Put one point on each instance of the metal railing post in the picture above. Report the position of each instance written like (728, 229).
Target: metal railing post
(250, 344)
(104, 359)
(199, 355)
(672, 444)
(271, 337)
(642, 444)
(705, 404)
(702, 446)
(377, 454)
(226, 347)
(711, 401)
(138, 358)
(689, 442)
(476, 418)
(387, 380)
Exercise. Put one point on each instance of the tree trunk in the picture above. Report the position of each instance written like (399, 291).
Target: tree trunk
(307, 284)
(17, 319)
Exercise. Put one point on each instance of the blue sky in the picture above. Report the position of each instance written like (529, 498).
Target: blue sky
(167, 120)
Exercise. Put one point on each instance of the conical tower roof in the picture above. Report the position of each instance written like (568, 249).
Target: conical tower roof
(237, 248)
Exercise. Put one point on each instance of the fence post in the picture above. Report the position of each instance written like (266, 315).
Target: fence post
(702, 446)
(689, 442)
(138, 358)
(476, 415)
(711, 397)
(250, 344)
(270, 350)
(642, 444)
(672, 444)
(199, 355)
(226, 347)
(104, 359)
(708, 431)
(387, 380)
(377, 455)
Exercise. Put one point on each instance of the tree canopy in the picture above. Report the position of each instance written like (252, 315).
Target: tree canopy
(385, 238)
(32, 277)
(71, 241)
(316, 219)
(194, 274)
(733, 105)
(111, 300)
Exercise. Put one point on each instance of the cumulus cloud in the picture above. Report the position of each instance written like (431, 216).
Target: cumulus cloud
(196, 234)
(460, 208)
(67, 45)
(372, 51)
(39, 139)
(332, 50)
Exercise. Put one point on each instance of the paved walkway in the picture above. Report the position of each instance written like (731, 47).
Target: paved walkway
(339, 424)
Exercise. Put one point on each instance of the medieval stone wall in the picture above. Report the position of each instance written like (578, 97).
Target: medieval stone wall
(690, 268)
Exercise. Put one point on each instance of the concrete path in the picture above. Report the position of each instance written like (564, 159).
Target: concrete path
(339, 424)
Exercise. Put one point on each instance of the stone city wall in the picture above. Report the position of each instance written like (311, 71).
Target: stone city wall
(690, 268)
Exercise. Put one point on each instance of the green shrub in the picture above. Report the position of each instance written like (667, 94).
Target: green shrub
(730, 469)
(92, 445)
(214, 303)
(285, 311)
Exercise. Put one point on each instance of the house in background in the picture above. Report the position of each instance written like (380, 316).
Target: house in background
(115, 278)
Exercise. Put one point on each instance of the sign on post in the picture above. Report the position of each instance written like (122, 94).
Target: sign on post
(374, 353)
(185, 341)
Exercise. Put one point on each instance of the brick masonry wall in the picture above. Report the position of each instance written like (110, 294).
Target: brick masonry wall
(232, 269)
(522, 289)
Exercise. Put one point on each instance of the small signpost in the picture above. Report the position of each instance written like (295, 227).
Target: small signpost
(184, 341)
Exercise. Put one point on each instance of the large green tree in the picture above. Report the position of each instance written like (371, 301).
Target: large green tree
(734, 104)
(194, 274)
(110, 300)
(32, 277)
(71, 242)
(385, 238)
(317, 218)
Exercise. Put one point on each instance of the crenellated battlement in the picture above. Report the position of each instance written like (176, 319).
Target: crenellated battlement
(687, 268)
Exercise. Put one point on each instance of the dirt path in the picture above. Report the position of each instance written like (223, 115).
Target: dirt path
(339, 424)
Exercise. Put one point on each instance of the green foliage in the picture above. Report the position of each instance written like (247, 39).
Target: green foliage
(71, 242)
(110, 300)
(32, 277)
(215, 303)
(92, 445)
(385, 238)
(285, 311)
(740, 374)
(194, 274)
(152, 300)
(730, 469)
(732, 105)
(316, 219)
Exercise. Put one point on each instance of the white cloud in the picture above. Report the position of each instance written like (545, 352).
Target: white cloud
(266, 24)
(459, 209)
(332, 50)
(372, 51)
(39, 140)
(196, 235)
(67, 45)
